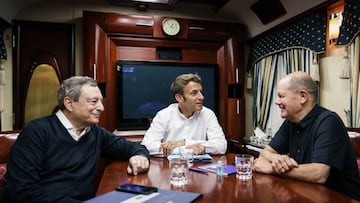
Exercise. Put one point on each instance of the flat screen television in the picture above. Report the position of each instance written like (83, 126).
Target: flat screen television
(143, 88)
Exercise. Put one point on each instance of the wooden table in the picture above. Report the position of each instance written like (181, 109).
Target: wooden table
(262, 188)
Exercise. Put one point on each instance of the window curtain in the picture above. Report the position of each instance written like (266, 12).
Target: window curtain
(353, 116)
(267, 73)
(294, 47)
(349, 37)
(307, 32)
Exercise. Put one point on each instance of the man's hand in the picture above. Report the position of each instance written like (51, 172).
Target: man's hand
(198, 148)
(283, 163)
(137, 164)
(262, 165)
(168, 146)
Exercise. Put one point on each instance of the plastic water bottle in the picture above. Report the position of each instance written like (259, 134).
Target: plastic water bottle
(219, 168)
(269, 133)
(268, 137)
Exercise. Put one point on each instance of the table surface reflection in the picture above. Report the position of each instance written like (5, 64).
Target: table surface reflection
(262, 188)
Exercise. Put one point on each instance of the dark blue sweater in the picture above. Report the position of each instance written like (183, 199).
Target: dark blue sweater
(47, 165)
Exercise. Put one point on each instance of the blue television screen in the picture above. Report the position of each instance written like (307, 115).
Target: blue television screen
(143, 88)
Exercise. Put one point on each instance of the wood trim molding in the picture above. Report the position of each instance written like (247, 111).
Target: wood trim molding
(199, 41)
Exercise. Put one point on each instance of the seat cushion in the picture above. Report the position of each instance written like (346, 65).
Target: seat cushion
(2, 178)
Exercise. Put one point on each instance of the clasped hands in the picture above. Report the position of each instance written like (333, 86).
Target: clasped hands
(279, 164)
(283, 163)
(168, 146)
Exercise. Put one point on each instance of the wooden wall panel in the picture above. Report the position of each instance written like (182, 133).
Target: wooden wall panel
(136, 53)
(199, 41)
(199, 56)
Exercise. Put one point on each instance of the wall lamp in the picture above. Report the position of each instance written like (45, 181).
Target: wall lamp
(335, 20)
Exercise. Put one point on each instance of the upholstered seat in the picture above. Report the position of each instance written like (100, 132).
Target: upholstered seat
(5, 146)
(355, 142)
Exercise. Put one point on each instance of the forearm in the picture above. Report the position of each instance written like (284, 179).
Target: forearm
(169, 146)
(138, 149)
(151, 142)
(216, 142)
(280, 163)
(312, 172)
(269, 154)
(217, 146)
(152, 145)
(153, 137)
(121, 149)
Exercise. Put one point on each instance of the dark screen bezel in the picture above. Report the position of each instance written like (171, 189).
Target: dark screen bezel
(144, 123)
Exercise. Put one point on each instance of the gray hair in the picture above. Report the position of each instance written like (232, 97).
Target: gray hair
(304, 81)
(71, 88)
(177, 87)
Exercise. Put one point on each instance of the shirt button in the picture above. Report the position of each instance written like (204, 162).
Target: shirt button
(298, 151)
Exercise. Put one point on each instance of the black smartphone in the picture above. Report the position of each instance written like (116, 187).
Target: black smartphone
(137, 189)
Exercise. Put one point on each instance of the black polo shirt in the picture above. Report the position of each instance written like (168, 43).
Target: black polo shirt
(321, 137)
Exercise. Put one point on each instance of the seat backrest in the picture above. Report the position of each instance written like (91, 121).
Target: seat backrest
(5, 146)
(355, 142)
(2, 179)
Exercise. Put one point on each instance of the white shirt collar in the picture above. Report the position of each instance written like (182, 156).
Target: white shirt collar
(196, 113)
(70, 128)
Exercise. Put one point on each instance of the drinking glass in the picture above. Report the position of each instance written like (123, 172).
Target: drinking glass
(188, 153)
(178, 171)
(244, 163)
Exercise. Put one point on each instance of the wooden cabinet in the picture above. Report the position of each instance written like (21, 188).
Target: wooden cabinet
(109, 37)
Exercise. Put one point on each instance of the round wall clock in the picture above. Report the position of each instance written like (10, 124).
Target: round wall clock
(171, 26)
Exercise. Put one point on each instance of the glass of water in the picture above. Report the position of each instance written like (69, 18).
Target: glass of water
(188, 153)
(178, 171)
(244, 163)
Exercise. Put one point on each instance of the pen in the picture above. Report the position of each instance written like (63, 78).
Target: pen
(199, 170)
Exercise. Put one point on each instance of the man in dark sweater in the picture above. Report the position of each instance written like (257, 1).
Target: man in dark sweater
(312, 144)
(55, 158)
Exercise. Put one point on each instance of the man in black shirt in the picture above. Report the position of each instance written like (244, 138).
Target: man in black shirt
(312, 144)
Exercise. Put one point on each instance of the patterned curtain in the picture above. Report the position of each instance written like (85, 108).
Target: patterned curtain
(308, 32)
(267, 73)
(349, 36)
(353, 116)
(293, 48)
(350, 26)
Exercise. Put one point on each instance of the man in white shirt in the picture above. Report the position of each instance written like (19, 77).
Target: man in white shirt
(186, 123)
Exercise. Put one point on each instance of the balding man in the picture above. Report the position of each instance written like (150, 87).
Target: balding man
(312, 144)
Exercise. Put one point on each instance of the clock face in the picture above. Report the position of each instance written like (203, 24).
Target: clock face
(171, 26)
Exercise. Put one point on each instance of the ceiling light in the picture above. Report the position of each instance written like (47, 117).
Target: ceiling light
(153, 4)
(153, 1)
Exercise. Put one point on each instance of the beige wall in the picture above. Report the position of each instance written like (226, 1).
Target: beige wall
(6, 105)
(334, 91)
